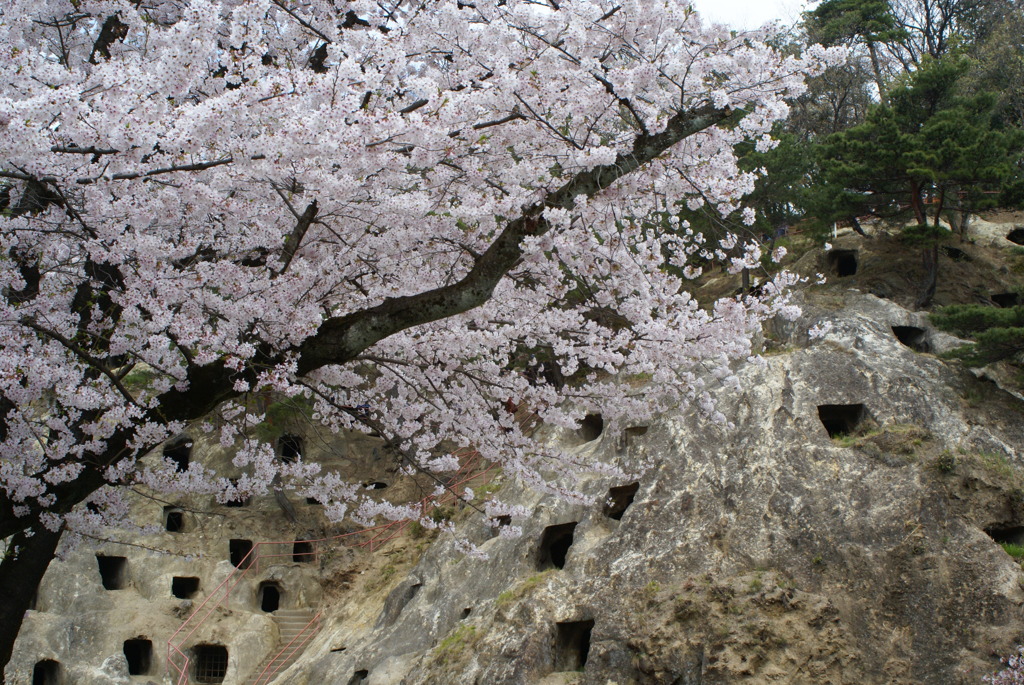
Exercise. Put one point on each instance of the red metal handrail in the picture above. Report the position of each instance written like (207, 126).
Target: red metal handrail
(382, 534)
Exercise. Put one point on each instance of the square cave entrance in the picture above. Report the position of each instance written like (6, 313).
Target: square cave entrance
(113, 572)
(239, 553)
(47, 672)
(184, 587)
(618, 500)
(139, 653)
(913, 337)
(572, 645)
(211, 663)
(555, 542)
(842, 263)
(841, 419)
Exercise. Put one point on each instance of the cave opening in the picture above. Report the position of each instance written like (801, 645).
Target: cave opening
(174, 519)
(179, 452)
(211, 663)
(1012, 535)
(499, 522)
(359, 677)
(842, 263)
(913, 337)
(591, 427)
(270, 597)
(303, 552)
(290, 447)
(572, 645)
(239, 553)
(113, 572)
(555, 542)
(1016, 235)
(955, 253)
(184, 587)
(238, 500)
(841, 419)
(618, 500)
(139, 653)
(1006, 300)
(47, 672)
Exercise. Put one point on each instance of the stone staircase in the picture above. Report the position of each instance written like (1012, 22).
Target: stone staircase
(290, 623)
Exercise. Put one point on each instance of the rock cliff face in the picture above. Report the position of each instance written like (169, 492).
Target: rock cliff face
(766, 552)
(844, 529)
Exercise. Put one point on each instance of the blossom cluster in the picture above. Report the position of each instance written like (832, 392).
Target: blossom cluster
(194, 187)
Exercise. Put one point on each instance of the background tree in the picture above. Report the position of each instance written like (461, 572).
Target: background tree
(929, 144)
(378, 204)
(856, 22)
(835, 100)
(998, 332)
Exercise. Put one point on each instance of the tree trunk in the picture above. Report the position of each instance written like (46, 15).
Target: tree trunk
(28, 555)
(873, 51)
(938, 209)
(930, 257)
(916, 204)
(857, 227)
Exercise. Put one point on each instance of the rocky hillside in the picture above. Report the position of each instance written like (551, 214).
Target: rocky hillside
(845, 529)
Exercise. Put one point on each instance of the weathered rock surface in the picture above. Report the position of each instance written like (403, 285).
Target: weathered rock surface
(768, 551)
(765, 552)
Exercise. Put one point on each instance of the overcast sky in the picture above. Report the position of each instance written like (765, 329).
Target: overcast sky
(750, 14)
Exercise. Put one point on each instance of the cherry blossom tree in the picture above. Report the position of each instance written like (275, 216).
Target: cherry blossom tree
(425, 207)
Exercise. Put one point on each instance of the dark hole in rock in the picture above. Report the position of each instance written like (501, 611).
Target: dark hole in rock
(375, 485)
(841, 419)
(1006, 299)
(955, 253)
(139, 653)
(291, 448)
(47, 672)
(33, 603)
(1016, 235)
(239, 552)
(359, 677)
(113, 572)
(312, 501)
(913, 337)
(618, 500)
(211, 663)
(184, 587)
(237, 500)
(302, 552)
(179, 451)
(1013, 535)
(842, 263)
(338, 649)
(591, 427)
(572, 645)
(636, 431)
(554, 545)
(174, 519)
(465, 613)
(500, 522)
(270, 597)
